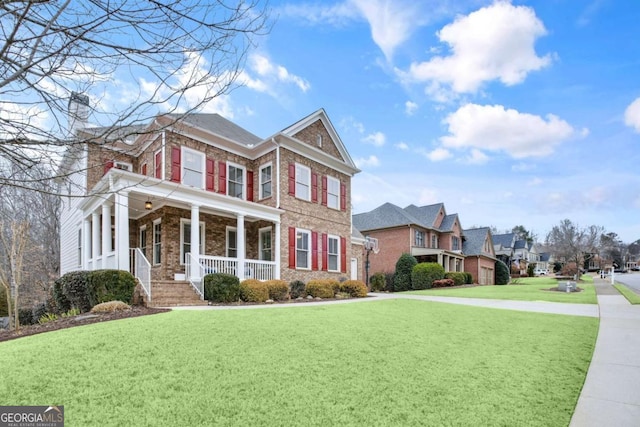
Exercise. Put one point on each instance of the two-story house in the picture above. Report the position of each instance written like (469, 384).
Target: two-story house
(480, 257)
(186, 196)
(426, 232)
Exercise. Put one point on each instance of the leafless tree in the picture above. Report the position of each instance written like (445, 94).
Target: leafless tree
(132, 59)
(573, 243)
(13, 243)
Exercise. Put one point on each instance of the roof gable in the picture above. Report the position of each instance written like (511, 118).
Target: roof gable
(430, 215)
(384, 216)
(475, 240)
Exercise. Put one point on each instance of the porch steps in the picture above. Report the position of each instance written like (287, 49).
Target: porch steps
(171, 293)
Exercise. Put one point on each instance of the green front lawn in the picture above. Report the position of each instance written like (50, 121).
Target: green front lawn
(526, 289)
(393, 362)
(631, 296)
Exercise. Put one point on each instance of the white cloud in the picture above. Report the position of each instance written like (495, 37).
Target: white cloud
(349, 123)
(270, 75)
(534, 182)
(402, 146)
(428, 196)
(377, 138)
(494, 128)
(492, 43)
(391, 22)
(632, 115)
(410, 108)
(523, 167)
(320, 14)
(364, 162)
(437, 155)
(477, 157)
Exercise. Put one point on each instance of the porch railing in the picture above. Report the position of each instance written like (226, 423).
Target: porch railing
(141, 270)
(253, 269)
(190, 264)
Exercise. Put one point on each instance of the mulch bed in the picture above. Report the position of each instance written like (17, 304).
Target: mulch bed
(81, 319)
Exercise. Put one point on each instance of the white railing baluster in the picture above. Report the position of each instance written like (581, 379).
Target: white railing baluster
(142, 270)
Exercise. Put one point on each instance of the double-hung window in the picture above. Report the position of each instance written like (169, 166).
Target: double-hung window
(232, 242)
(185, 239)
(333, 253)
(193, 168)
(265, 181)
(419, 239)
(265, 244)
(303, 249)
(455, 243)
(143, 240)
(333, 193)
(235, 181)
(303, 182)
(157, 241)
(434, 241)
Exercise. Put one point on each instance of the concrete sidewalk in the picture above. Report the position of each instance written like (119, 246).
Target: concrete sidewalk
(611, 392)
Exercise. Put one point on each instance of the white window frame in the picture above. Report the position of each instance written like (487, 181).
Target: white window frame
(331, 255)
(143, 245)
(435, 241)
(333, 197)
(227, 247)
(455, 243)
(243, 196)
(123, 166)
(157, 244)
(186, 151)
(142, 165)
(262, 183)
(420, 243)
(261, 249)
(299, 233)
(303, 173)
(155, 164)
(80, 247)
(183, 222)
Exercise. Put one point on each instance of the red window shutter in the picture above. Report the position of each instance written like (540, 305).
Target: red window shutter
(292, 179)
(314, 187)
(108, 165)
(210, 174)
(343, 196)
(314, 250)
(158, 165)
(144, 169)
(343, 255)
(324, 190)
(222, 178)
(250, 186)
(325, 252)
(175, 164)
(292, 247)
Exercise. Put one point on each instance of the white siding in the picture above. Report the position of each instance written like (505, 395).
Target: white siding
(71, 216)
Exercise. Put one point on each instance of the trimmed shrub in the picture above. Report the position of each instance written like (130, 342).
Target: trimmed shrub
(25, 316)
(297, 289)
(327, 288)
(110, 307)
(468, 278)
(502, 273)
(221, 287)
(377, 282)
(404, 267)
(61, 302)
(252, 290)
(110, 285)
(458, 277)
(388, 281)
(76, 290)
(530, 269)
(423, 274)
(355, 288)
(278, 290)
(443, 283)
(569, 269)
(4, 307)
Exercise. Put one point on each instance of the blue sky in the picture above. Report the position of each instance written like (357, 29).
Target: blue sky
(523, 112)
(510, 113)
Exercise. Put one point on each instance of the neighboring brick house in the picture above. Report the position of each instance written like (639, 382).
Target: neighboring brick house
(278, 207)
(425, 232)
(480, 258)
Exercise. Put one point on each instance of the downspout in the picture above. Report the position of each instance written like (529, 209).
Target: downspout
(164, 142)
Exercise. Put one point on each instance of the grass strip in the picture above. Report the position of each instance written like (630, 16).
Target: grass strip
(523, 289)
(394, 362)
(631, 296)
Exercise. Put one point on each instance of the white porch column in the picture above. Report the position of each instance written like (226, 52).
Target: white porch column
(240, 246)
(86, 243)
(277, 251)
(195, 242)
(95, 239)
(122, 230)
(106, 232)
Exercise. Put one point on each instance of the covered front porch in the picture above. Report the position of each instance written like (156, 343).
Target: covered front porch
(144, 225)
(451, 261)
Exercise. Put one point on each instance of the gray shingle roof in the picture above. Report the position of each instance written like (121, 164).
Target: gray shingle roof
(384, 216)
(427, 214)
(217, 124)
(504, 240)
(448, 221)
(474, 241)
